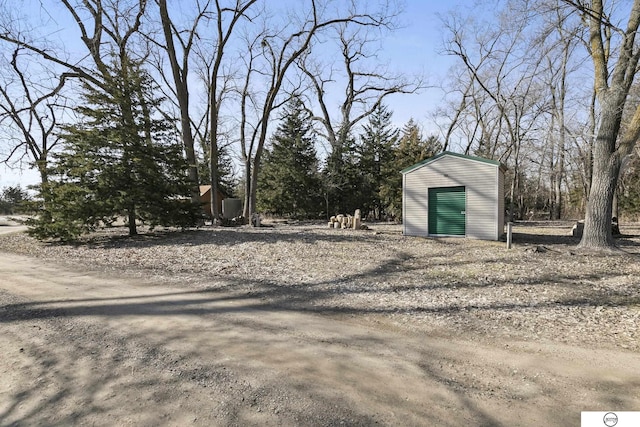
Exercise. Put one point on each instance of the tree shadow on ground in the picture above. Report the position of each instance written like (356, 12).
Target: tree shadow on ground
(559, 235)
(86, 379)
(255, 300)
(318, 296)
(231, 236)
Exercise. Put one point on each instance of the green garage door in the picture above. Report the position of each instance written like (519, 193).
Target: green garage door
(447, 211)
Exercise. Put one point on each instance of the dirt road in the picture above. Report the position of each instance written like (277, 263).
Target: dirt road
(81, 348)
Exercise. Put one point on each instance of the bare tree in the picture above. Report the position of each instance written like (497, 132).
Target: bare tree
(615, 54)
(248, 129)
(559, 39)
(224, 30)
(558, 133)
(271, 56)
(363, 82)
(29, 114)
(458, 112)
(503, 75)
(203, 45)
(179, 62)
(107, 29)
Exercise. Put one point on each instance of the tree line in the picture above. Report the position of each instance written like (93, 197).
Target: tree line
(549, 88)
(14, 200)
(293, 182)
(101, 111)
(109, 114)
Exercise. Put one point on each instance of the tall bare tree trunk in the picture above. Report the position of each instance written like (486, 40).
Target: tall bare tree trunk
(213, 151)
(597, 227)
(606, 168)
(182, 93)
(610, 147)
(131, 219)
(247, 190)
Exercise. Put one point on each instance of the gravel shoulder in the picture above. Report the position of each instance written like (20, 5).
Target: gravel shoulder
(301, 325)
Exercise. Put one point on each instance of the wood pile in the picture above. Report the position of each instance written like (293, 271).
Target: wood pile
(347, 221)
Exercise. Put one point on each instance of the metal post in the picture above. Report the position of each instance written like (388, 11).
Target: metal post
(509, 234)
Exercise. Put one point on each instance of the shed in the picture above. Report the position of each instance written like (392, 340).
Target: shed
(205, 199)
(454, 195)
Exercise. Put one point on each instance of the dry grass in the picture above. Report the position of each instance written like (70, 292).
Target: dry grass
(445, 286)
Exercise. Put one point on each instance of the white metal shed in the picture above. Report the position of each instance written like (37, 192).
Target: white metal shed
(454, 195)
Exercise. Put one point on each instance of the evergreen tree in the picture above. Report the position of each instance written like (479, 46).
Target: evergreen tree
(375, 152)
(412, 148)
(289, 182)
(13, 200)
(341, 179)
(118, 161)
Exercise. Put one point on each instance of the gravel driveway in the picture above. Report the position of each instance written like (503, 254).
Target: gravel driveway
(301, 325)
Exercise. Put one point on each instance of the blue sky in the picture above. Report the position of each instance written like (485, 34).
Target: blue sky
(416, 48)
(412, 49)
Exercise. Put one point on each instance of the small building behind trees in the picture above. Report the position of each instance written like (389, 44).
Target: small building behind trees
(454, 195)
(205, 199)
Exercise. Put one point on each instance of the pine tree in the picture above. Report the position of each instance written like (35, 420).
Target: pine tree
(411, 149)
(119, 160)
(341, 180)
(375, 152)
(13, 200)
(289, 182)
